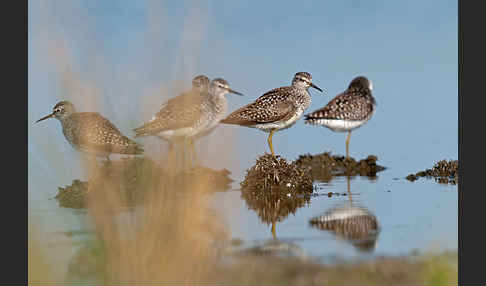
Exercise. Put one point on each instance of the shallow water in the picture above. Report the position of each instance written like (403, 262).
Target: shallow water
(412, 217)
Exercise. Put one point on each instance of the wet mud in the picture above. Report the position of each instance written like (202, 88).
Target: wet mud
(325, 166)
(73, 196)
(443, 172)
(134, 178)
(275, 173)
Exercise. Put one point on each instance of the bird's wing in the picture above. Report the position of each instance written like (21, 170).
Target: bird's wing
(186, 98)
(273, 106)
(180, 112)
(347, 105)
(280, 93)
(95, 132)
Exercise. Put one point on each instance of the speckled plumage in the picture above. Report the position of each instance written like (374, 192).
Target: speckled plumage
(347, 111)
(218, 107)
(277, 109)
(184, 112)
(352, 108)
(92, 133)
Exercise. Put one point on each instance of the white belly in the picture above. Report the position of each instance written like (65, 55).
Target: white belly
(220, 110)
(206, 131)
(280, 125)
(341, 125)
(176, 134)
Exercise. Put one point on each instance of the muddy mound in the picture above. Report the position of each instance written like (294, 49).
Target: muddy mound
(132, 179)
(444, 172)
(274, 173)
(72, 196)
(324, 166)
(275, 188)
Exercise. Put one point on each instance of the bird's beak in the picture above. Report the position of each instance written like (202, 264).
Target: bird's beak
(234, 91)
(316, 87)
(45, 117)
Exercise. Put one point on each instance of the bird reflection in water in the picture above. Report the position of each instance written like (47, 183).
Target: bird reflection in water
(352, 222)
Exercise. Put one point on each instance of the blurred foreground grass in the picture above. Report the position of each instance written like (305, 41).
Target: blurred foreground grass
(177, 240)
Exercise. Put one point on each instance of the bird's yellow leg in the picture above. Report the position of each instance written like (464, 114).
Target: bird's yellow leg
(193, 149)
(186, 156)
(181, 163)
(274, 233)
(270, 141)
(189, 154)
(347, 144)
(170, 157)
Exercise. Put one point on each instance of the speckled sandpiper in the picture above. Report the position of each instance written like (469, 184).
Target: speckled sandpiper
(159, 125)
(191, 115)
(91, 133)
(348, 110)
(276, 110)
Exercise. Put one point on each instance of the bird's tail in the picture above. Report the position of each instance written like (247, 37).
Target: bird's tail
(138, 149)
(310, 119)
(141, 131)
(134, 148)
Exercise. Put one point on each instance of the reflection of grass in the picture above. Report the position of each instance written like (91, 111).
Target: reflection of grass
(39, 271)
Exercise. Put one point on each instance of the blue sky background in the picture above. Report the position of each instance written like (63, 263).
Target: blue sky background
(124, 58)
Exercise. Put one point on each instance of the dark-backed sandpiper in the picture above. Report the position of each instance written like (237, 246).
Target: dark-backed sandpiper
(276, 110)
(91, 133)
(348, 110)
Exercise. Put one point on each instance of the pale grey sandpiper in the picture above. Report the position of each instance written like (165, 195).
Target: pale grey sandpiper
(176, 113)
(191, 115)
